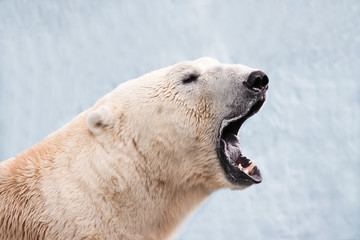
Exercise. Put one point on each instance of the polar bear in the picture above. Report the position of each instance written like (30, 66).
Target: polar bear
(136, 163)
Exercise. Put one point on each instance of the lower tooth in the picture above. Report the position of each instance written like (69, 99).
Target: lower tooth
(249, 168)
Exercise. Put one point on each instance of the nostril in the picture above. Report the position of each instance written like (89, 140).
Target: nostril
(257, 83)
(265, 81)
(257, 80)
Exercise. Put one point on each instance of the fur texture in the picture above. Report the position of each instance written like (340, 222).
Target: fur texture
(131, 167)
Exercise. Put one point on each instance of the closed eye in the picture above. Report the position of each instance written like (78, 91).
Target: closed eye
(191, 78)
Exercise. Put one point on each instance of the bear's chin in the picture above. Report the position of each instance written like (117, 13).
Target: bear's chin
(238, 169)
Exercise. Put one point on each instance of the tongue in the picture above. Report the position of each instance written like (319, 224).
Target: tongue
(248, 169)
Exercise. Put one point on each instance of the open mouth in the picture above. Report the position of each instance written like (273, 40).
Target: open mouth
(238, 169)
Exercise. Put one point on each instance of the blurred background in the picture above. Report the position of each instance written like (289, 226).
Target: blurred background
(58, 57)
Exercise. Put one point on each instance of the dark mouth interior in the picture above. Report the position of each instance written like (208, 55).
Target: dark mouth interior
(239, 169)
(231, 143)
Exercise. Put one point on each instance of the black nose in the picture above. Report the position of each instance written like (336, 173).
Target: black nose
(257, 81)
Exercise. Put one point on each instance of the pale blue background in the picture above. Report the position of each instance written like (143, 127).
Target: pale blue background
(58, 57)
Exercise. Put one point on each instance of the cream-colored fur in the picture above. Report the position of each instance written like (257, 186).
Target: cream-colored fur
(131, 167)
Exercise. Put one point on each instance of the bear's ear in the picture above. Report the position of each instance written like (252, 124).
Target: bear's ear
(95, 121)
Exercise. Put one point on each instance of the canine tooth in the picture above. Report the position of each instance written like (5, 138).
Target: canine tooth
(249, 169)
(240, 167)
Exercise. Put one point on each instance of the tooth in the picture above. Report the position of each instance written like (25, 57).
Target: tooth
(240, 167)
(249, 169)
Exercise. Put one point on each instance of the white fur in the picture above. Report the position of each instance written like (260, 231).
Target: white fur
(131, 167)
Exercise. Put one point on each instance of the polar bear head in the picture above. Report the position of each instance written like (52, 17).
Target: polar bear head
(178, 126)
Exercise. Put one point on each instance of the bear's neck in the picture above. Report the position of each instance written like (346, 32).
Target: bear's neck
(154, 206)
(138, 203)
(115, 197)
(163, 212)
